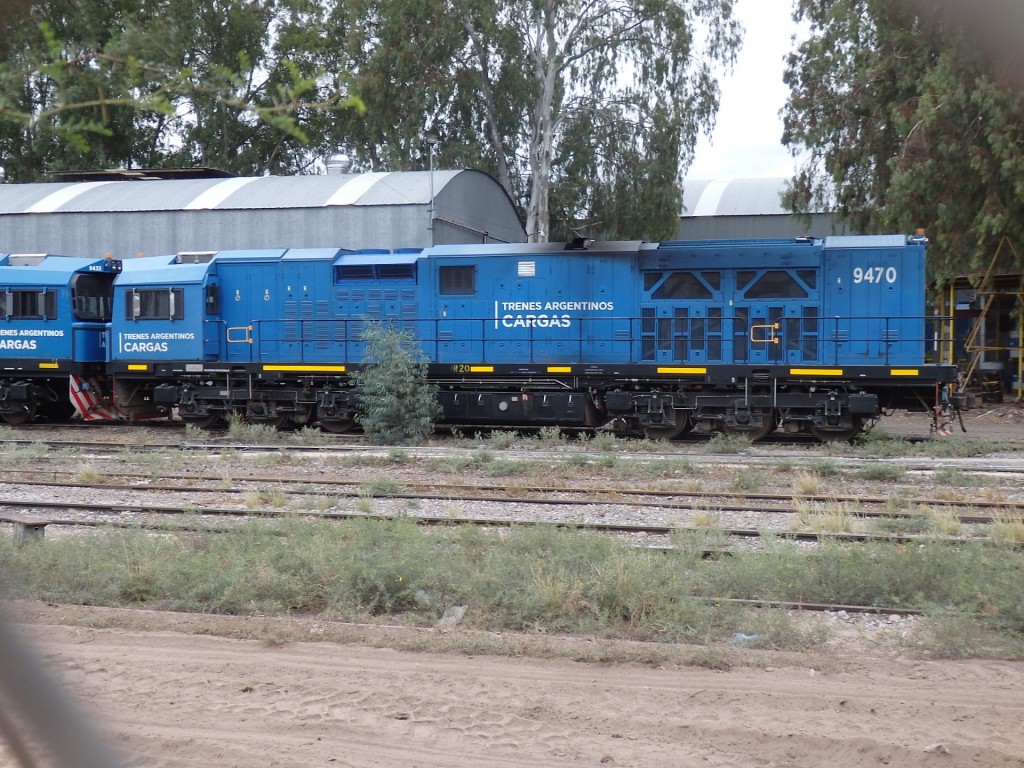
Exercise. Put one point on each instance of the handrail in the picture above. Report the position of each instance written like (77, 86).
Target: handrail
(314, 340)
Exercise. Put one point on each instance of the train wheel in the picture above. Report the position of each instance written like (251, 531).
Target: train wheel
(842, 435)
(337, 426)
(17, 418)
(752, 432)
(669, 431)
(208, 421)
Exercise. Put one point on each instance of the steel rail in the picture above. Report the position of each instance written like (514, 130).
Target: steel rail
(609, 490)
(592, 496)
(438, 520)
(730, 458)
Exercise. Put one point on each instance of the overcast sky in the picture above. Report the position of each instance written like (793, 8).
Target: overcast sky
(746, 141)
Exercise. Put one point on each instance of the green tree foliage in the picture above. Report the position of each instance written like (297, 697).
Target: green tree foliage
(150, 83)
(906, 126)
(587, 108)
(396, 404)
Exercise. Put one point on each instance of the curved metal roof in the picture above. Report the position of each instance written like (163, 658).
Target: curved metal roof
(172, 215)
(245, 193)
(735, 197)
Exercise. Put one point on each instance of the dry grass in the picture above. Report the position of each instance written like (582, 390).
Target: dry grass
(825, 516)
(1008, 527)
(705, 518)
(807, 484)
(89, 475)
(944, 521)
(265, 497)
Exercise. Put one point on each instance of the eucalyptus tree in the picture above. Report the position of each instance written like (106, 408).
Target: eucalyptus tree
(905, 126)
(567, 101)
(127, 83)
(618, 90)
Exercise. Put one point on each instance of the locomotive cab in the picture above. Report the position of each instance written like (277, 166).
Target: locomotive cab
(54, 312)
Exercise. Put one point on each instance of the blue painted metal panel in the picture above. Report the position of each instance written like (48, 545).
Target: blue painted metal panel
(702, 303)
(751, 301)
(146, 340)
(873, 302)
(61, 332)
(536, 305)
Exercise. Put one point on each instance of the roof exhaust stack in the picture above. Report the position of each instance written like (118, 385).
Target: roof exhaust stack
(338, 164)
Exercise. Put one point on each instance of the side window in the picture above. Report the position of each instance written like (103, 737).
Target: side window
(155, 304)
(90, 297)
(29, 305)
(213, 299)
(457, 281)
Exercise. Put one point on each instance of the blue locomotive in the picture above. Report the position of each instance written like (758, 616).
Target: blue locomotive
(54, 327)
(806, 335)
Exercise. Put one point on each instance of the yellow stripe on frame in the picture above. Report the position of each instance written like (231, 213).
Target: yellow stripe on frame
(49, 365)
(905, 372)
(815, 371)
(138, 367)
(306, 368)
(481, 369)
(683, 370)
(559, 369)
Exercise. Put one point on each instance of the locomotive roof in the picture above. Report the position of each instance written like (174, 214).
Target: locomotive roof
(44, 268)
(527, 249)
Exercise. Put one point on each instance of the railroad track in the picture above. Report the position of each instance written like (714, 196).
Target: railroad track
(676, 500)
(756, 456)
(655, 535)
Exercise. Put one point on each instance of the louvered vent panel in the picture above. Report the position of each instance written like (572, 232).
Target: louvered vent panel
(323, 336)
(291, 326)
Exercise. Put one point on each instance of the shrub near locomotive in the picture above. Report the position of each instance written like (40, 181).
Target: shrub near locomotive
(54, 322)
(739, 336)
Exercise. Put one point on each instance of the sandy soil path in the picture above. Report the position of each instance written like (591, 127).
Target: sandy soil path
(170, 700)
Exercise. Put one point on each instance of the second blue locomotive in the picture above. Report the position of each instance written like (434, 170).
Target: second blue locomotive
(806, 335)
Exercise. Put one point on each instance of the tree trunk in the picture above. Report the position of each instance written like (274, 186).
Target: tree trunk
(547, 65)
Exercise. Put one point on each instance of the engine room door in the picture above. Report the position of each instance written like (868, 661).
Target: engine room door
(248, 310)
(683, 317)
(775, 316)
(769, 333)
(758, 333)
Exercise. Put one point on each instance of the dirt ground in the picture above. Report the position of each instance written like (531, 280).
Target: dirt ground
(168, 695)
(167, 698)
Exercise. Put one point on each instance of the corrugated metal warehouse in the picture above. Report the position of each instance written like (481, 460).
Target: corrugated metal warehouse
(172, 215)
(369, 210)
(746, 208)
